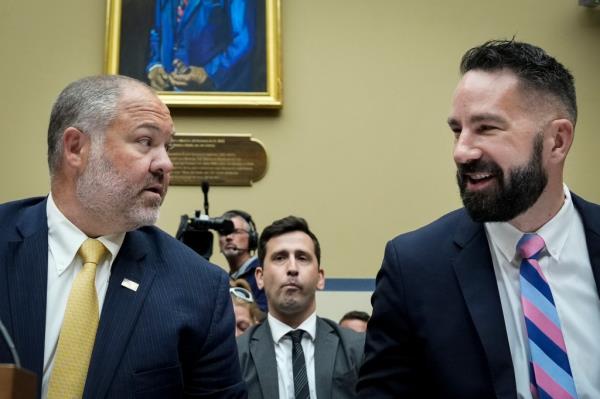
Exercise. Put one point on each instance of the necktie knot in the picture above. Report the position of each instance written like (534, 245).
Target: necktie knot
(296, 336)
(92, 251)
(530, 246)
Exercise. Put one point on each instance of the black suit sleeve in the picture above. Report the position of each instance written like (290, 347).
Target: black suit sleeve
(391, 349)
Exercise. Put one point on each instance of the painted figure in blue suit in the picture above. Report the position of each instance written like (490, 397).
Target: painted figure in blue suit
(166, 325)
(452, 308)
(206, 45)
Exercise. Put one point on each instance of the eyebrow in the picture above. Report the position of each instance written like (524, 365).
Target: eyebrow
(281, 252)
(478, 118)
(149, 126)
(295, 252)
(154, 128)
(302, 252)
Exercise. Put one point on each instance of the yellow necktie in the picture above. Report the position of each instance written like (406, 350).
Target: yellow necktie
(78, 331)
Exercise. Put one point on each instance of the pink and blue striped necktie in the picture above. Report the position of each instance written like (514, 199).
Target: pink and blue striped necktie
(549, 369)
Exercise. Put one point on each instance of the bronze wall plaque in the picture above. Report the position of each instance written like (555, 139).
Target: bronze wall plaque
(220, 160)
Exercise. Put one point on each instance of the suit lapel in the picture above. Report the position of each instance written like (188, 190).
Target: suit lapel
(475, 273)
(326, 346)
(27, 274)
(119, 312)
(262, 351)
(590, 215)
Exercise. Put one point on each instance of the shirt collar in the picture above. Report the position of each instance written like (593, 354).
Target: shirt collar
(554, 232)
(64, 238)
(279, 328)
(243, 268)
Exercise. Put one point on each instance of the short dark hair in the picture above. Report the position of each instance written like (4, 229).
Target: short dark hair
(282, 226)
(356, 315)
(535, 68)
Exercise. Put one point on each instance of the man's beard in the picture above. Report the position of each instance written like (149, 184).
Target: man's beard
(504, 200)
(104, 192)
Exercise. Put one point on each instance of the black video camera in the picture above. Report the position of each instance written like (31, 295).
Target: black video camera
(194, 232)
(221, 225)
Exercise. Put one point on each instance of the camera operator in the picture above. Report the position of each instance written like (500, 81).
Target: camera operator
(238, 248)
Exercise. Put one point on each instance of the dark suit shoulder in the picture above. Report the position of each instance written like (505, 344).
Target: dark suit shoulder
(434, 230)
(175, 254)
(15, 206)
(11, 213)
(438, 239)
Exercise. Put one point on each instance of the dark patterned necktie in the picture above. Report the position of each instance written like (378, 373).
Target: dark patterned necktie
(301, 390)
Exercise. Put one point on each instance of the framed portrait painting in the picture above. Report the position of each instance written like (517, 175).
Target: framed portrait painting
(199, 53)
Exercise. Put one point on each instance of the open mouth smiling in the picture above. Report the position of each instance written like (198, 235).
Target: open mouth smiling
(478, 180)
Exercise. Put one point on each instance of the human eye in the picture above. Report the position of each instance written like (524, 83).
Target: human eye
(304, 258)
(485, 128)
(279, 257)
(145, 141)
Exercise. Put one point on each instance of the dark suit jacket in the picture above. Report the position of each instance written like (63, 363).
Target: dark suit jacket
(173, 337)
(338, 355)
(437, 329)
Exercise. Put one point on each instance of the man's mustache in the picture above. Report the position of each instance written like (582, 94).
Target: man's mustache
(479, 166)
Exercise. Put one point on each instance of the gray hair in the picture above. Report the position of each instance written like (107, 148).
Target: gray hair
(88, 104)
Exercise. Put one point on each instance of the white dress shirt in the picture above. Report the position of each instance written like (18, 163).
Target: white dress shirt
(64, 240)
(566, 265)
(283, 354)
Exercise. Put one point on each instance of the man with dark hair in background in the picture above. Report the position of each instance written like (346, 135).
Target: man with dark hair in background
(295, 353)
(355, 320)
(238, 248)
(99, 302)
(498, 299)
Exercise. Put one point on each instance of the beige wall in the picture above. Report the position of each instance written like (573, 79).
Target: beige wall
(360, 149)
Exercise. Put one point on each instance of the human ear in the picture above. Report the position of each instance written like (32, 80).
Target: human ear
(258, 273)
(562, 133)
(75, 143)
(321, 281)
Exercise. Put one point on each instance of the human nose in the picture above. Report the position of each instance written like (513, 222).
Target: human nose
(161, 164)
(292, 266)
(465, 148)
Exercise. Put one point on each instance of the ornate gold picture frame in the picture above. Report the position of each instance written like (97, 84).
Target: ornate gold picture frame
(199, 53)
